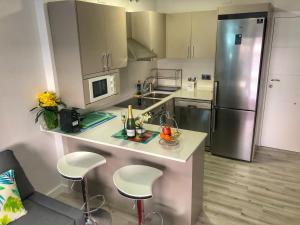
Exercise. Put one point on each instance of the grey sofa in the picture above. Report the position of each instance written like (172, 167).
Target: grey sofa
(41, 209)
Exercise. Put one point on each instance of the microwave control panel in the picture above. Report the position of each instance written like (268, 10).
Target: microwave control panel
(112, 84)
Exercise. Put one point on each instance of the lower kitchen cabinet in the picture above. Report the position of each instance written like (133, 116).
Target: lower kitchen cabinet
(194, 115)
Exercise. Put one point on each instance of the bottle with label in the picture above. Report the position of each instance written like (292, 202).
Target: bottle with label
(139, 92)
(130, 126)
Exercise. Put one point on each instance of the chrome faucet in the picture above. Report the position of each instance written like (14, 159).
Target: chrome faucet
(148, 85)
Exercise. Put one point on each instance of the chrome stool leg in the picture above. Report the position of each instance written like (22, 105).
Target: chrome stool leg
(88, 217)
(95, 216)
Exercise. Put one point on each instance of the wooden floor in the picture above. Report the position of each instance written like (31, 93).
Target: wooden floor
(260, 193)
(265, 192)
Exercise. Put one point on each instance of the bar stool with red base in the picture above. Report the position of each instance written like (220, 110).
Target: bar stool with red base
(135, 182)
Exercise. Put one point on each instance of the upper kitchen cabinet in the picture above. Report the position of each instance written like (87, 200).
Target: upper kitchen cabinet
(178, 35)
(204, 33)
(116, 37)
(97, 32)
(149, 29)
(92, 37)
(191, 35)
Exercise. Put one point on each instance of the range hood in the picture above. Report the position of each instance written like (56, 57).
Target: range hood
(138, 52)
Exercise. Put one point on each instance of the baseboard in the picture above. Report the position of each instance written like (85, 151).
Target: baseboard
(58, 190)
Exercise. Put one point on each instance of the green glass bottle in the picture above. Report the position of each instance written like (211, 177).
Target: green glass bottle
(130, 126)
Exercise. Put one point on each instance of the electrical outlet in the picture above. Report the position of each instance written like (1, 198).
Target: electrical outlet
(206, 77)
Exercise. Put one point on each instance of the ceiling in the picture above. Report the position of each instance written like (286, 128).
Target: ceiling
(168, 6)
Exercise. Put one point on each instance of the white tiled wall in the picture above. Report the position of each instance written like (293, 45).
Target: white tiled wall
(191, 68)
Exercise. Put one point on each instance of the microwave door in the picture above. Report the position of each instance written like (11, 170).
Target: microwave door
(98, 89)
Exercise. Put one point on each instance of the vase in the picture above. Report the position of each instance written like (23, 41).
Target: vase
(51, 118)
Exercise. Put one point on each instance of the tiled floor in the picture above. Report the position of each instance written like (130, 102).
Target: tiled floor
(266, 192)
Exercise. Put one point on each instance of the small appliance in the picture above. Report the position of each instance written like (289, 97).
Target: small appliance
(69, 120)
(100, 86)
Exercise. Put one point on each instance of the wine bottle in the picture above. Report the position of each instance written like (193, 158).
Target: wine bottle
(130, 126)
(139, 92)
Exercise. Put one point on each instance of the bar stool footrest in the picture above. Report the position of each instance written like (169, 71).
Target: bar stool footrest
(96, 202)
(101, 217)
(149, 217)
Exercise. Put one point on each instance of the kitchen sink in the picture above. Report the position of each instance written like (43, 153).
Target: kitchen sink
(158, 95)
(138, 103)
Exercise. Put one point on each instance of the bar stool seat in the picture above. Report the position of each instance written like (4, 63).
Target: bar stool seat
(76, 165)
(135, 181)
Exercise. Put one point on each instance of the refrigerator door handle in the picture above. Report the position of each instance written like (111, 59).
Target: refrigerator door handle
(214, 114)
(216, 86)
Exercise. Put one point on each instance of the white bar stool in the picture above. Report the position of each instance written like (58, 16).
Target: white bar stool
(75, 166)
(135, 182)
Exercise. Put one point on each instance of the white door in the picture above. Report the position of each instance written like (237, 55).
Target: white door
(281, 124)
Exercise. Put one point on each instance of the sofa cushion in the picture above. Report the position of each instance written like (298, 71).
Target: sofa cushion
(43, 200)
(8, 161)
(11, 206)
(41, 215)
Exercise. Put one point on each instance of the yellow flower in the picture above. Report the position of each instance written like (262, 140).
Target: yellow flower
(47, 99)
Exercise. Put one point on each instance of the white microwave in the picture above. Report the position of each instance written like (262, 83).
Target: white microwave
(100, 87)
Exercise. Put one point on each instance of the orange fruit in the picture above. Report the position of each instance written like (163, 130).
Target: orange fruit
(167, 138)
(162, 135)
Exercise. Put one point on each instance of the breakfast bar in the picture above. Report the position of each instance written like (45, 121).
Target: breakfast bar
(177, 194)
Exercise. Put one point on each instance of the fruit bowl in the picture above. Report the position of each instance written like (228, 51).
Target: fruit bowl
(169, 130)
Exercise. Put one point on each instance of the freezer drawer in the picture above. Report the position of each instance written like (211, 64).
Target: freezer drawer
(232, 134)
(194, 115)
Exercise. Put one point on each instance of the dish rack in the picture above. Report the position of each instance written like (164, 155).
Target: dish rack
(167, 79)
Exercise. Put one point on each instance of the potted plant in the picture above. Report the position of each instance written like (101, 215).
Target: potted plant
(48, 108)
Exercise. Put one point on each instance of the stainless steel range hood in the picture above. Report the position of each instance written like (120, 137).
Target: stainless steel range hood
(138, 52)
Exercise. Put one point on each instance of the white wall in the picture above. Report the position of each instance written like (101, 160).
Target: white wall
(21, 78)
(191, 68)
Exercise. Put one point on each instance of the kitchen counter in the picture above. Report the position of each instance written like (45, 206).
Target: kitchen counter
(102, 135)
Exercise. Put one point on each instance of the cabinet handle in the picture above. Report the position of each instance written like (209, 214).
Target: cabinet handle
(109, 60)
(193, 51)
(192, 107)
(103, 61)
(275, 80)
(188, 50)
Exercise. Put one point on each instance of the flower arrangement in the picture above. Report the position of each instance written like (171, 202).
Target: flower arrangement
(48, 104)
(140, 120)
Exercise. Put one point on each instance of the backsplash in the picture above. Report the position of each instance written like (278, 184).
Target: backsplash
(191, 68)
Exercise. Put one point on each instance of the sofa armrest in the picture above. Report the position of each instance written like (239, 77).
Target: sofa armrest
(59, 207)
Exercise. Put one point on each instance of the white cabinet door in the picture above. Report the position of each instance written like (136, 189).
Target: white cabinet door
(178, 35)
(91, 28)
(204, 32)
(116, 36)
(281, 124)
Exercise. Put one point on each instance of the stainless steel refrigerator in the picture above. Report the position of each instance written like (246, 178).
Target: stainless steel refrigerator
(240, 43)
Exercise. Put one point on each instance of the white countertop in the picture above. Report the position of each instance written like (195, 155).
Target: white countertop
(189, 141)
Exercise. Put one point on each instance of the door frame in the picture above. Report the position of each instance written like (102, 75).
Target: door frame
(269, 48)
